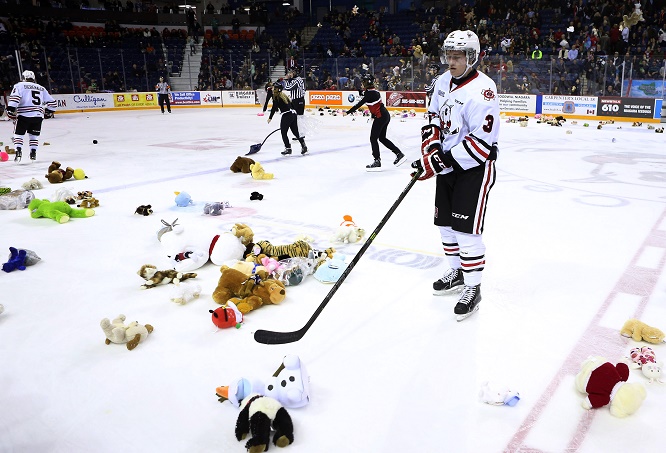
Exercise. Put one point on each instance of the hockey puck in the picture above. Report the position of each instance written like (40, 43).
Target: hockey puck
(94, 142)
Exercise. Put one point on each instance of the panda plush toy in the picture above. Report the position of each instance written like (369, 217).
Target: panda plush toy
(257, 416)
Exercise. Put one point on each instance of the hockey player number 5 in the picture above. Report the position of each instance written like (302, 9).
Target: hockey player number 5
(489, 124)
(36, 99)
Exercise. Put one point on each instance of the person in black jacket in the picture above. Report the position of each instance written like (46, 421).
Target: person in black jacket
(269, 96)
(381, 119)
(289, 118)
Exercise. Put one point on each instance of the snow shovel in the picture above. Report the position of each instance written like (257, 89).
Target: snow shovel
(255, 148)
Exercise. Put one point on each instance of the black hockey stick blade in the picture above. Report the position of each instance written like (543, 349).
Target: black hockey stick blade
(254, 149)
(271, 337)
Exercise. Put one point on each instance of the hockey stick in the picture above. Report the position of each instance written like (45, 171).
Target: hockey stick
(270, 337)
(255, 148)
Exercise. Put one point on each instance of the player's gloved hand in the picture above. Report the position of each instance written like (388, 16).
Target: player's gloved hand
(11, 113)
(431, 138)
(269, 120)
(431, 164)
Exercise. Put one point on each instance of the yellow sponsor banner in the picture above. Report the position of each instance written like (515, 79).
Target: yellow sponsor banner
(134, 99)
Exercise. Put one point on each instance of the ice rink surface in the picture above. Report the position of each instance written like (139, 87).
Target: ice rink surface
(576, 242)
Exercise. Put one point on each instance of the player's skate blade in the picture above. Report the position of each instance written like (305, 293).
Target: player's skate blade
(467, 315)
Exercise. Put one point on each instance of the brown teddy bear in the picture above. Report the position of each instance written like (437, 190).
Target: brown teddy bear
(241, 165)
(231, 283)
(266, 292)
(56, 175)
(247, 293)
(638, 331)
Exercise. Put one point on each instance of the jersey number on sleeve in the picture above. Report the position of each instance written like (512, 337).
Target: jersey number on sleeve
(489, 124)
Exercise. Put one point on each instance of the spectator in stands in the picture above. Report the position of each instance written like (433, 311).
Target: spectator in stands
(576, 88)
(190, 17)
(537, 54)
(563, 86)
(572, 55)
(210, 9)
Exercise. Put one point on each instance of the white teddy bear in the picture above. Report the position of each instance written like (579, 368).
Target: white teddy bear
(132, 333)
(348, 234)
(182, 293)
(190, 248)
(33, 184)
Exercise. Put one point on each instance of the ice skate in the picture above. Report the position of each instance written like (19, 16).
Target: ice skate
(468, 302)
(17, 156)
(452, 280)
(400, 159)
(286, 152)
(304, 149)
(375, 166)
(33, 154)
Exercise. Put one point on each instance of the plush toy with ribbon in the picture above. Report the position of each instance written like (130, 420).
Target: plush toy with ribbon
(604, 384)
(498, 396)
(228, 315)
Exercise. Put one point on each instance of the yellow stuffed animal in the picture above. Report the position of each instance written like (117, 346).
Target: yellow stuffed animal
(243, 232)
(258, 172)
(638, 331)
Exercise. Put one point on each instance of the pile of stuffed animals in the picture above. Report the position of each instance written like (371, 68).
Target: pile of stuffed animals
(263, 404)
(606, 384)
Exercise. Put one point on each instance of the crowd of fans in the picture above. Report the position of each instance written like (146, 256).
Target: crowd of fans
(544, 46)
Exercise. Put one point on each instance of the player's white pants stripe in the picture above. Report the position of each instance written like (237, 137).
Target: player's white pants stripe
(482, 201)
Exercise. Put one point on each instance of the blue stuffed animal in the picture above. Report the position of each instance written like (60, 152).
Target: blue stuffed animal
(16, 260)
(330, 270)
(183, 199)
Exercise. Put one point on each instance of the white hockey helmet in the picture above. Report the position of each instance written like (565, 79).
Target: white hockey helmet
(465, 40)
(28, 75)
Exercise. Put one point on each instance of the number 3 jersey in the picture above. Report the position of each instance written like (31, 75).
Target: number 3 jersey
(469, 117)
(30, 99)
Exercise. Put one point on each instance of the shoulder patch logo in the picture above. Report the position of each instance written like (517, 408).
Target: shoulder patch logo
(488, 94)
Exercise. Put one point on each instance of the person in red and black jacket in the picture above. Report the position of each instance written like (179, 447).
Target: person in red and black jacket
(381, 119)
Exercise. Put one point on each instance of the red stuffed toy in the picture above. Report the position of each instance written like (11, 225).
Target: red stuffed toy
(605, 383)
(227, 315)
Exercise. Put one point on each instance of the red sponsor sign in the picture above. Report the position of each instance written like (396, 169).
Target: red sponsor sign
(405, 99)
(325, 97)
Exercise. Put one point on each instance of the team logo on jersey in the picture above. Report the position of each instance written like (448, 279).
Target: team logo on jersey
(488, 94)
(445, 119)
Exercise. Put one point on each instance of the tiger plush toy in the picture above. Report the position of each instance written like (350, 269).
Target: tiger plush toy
(280, 252)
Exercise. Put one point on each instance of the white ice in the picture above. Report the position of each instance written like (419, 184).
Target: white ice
(575, 236)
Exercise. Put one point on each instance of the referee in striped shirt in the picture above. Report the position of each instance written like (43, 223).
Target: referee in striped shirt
(433, 70)
(296, 87)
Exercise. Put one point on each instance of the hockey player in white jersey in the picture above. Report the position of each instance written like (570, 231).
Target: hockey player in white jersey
(27, 104)
(460, 147)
